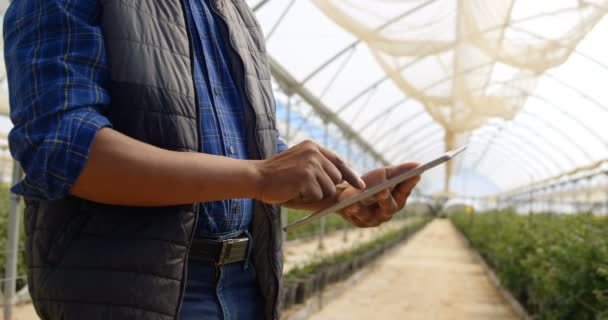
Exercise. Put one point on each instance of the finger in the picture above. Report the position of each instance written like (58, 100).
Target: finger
(406, 186)
(312, 192)
(327, 185)
(372, 222)
(354, 220)
(368, 216)
(349, 214)
(354, 214)
(330, 169)
(347, 173)
(403, 190)
(369, 201)
(387, 204)
(353, 209)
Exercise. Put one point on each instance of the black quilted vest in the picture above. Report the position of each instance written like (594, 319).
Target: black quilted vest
(93, 261)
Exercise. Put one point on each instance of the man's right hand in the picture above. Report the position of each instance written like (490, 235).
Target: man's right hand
(305, 173)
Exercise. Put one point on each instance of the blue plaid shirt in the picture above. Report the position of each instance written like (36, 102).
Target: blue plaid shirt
(57, 72)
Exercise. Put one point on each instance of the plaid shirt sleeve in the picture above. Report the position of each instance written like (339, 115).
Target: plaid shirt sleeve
(281, 144)
(56, 68)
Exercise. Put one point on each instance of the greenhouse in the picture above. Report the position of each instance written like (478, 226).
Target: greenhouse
(515, 227)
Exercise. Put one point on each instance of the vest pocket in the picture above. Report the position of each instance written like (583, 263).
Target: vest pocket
(64, 237)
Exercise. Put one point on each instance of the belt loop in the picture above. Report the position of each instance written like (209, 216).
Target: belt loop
(249, 245)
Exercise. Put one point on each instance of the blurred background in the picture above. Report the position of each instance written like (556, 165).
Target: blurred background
(381, 82)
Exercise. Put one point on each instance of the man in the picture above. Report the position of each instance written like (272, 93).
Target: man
(146, 130)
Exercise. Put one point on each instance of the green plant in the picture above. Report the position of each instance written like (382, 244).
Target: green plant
(350, 255)
(21, 267)
(557, 266)
(333, 222)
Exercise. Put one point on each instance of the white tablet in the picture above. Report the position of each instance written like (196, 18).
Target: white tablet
(374, 190)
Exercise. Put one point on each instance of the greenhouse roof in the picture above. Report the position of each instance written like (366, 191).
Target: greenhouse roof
(522, 82)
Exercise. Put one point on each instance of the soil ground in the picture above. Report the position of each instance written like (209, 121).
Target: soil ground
(432, 276)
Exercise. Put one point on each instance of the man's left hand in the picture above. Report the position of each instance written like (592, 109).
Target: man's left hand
(380, 208)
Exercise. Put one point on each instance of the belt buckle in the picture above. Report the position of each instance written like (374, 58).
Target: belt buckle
(227, 245)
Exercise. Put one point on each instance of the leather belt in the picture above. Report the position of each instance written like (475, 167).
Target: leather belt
(220, 252)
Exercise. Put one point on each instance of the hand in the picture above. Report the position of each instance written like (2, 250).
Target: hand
(305, 173)
(380, 208)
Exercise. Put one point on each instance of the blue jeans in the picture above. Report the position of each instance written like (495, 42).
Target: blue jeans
(234, 295)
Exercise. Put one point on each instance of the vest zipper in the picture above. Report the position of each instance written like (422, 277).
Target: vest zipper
(257, 144)
(199, 148)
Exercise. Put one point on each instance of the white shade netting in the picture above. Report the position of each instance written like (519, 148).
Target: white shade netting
(467, 61)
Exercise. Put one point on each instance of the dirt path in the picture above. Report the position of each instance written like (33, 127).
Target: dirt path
(433, 276)
(23, 312)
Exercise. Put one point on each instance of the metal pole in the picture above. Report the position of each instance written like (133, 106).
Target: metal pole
(348, 154)
(322, 221)
(13, 247)
(589, 197)
(606, 189)
(530, 197)
(284, 210)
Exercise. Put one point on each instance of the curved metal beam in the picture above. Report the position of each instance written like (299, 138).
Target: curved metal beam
(575, 119)
(411, 136)
(429, 145)
(382, 114)
(494, 137)
(528, 145)
(259, 5)
(577, 90)
(290, 84)
(531, 171)
(430, 86)
(557, 131)
(390, 130)
(524, 145)
(546, 123)
(518, 137)
(519, 153)
(403, 148)
(356, 42)
(280, 20)
(526, 170)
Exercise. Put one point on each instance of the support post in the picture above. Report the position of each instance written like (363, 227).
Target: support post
(284, 211)
(348, 160)
(13, 247)
(589, 197)
(322, 220)
(606, 189)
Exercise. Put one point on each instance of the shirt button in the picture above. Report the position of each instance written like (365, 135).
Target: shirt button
(217, 91)
(231, 149)
(237, 209)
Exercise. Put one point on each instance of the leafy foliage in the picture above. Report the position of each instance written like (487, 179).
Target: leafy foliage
(333, 222)
(21, 267)
(557, 266)
(349, 255)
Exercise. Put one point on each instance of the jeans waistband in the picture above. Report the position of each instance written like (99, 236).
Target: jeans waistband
(221, 236)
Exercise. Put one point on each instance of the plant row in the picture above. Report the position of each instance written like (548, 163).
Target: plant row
(556, 266)
(333, 222)
(4, 249)
(305, 281)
